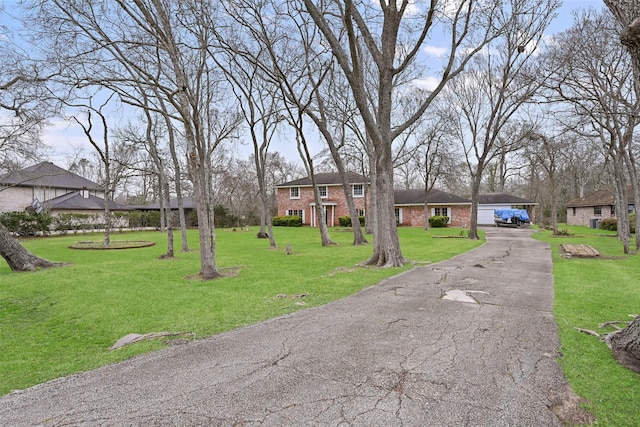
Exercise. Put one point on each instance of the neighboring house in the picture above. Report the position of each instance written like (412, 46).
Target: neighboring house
(409, 205)
(36, 184)
(593, 208)
(296, 197)
(55, 190)
(488, 202)
(188, 203)
(81, 202)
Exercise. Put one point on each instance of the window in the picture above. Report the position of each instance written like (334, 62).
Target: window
(323, 191)
(613, 210)
(597, 210)
(295, 212)
(358, 190)
(441, 211)
(360, 212)
(630, 208)
(294, 193)
(398, 215)
(574, 211)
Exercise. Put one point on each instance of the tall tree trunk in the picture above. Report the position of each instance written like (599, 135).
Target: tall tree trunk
(475, 190)
(18, 258)
(177, 177)
(621, 200)
(167, 197)
(266, 224)
(386, 250)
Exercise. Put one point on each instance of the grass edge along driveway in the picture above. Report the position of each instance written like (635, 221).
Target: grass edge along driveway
(62, 321)
(589, 292)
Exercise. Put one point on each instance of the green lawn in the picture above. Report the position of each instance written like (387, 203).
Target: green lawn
(61, 321)
(589, 292)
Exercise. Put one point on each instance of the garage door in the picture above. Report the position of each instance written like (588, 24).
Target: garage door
(485, 216)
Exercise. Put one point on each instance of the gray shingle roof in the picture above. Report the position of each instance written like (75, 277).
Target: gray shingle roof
(416, 197)
(46, 174)
(597, 198)
(74, 201)
(188, 202)
(498, 198)
(331, 178)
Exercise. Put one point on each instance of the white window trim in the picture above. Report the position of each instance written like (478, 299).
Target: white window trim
(433, 212)
(289, 213)
(399, 215)
(353, 190)
(326, 191)
(291, 196)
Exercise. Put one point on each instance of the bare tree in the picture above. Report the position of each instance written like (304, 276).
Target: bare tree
(549, 152)
(23, 111)
(262, 112)
(627, 14)
(279, 46)
(102, 147)
(607, 105)
(355, 29)
(495, 87)
(161, 46)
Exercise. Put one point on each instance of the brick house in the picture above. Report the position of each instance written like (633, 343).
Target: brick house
(296, 198)
(409, 205)
(593, 208)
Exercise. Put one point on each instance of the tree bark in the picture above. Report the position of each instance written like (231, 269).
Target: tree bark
(18, 258)
(625, 345)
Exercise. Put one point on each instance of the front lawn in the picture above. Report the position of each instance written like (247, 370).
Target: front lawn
(61, 321)
(589, 292)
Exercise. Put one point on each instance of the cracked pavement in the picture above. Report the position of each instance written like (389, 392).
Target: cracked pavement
(395, 354)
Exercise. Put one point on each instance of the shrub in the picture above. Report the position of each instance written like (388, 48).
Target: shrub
(26, 222)
(438, 221)
(71, 221)
(345, 221)
(140, 219)
(286, 221)
(610, 224)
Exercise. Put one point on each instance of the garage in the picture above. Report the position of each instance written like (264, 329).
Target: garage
(488, 202)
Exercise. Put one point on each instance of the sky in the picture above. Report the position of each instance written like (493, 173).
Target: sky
(64, 138)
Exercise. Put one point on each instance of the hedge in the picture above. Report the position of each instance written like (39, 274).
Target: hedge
(287, 221)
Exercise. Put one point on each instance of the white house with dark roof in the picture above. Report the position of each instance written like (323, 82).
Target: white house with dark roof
(53, 189)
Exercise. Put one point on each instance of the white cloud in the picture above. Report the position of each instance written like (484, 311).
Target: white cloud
(435, 51)
(427, 83)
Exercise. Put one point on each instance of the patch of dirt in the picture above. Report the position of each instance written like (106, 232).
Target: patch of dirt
(297, 296)
(114, 244)
(224, 272)
(567, 406)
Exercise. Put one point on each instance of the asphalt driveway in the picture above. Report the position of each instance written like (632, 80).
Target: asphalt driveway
(395, 354)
